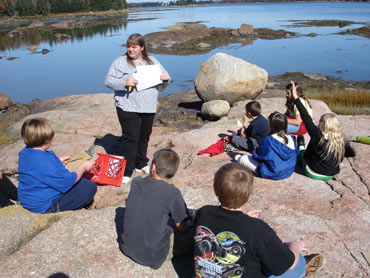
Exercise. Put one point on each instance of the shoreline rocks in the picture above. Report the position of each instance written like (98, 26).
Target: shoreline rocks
(332, 218)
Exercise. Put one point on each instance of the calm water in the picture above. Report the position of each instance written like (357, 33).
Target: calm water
(79, 65)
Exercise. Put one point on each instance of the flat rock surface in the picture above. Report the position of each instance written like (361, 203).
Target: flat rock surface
(333, 218)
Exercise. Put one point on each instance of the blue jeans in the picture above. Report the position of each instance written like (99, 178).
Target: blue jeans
(79, 196)
(298, 271)
(293, 128)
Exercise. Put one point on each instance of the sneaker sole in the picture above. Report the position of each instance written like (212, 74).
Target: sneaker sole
(314, 264)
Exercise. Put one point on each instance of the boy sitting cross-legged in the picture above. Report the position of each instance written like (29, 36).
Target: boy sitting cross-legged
(250, 136)
(229, 243)
(151, 203)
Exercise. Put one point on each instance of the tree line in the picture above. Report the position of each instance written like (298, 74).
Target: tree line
(45, 7)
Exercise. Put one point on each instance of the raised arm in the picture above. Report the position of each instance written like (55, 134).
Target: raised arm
(306, 118)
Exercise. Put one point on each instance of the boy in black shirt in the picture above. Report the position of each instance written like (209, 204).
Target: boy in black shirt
(249, 138)
(229, 243)
(149, 206)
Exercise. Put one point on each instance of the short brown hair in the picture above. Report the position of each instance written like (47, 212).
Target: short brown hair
(233, 184)
(166, 163)
(253, 107)
(37, 132)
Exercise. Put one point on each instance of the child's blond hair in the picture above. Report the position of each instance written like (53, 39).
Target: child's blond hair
(37, 132)
(333, 135)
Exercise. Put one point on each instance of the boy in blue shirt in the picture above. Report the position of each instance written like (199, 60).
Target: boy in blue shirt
(249, 138)
(45, 184)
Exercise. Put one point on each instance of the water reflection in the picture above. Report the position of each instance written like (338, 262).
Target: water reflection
(36, 36)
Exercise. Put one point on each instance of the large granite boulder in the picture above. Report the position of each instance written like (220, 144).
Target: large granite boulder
(229, 78)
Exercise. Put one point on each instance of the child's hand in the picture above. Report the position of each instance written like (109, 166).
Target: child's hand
(297, 246)
(87, 165)
(65, 159)
(245, 120)
(294, 89)
(256, 213)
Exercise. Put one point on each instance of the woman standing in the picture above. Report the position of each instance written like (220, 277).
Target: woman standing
(135, 109)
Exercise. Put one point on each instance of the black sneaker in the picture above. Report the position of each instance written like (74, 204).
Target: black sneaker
(300, 141)
(313, 263)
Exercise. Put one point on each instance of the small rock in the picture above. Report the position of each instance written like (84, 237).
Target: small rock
(5, 102)
(12, 58)
(215, 109)
(45, 51)
(32, 48)
(36, 24)
(315, 76)
(235, 32)
(204, 45)
(246, 29)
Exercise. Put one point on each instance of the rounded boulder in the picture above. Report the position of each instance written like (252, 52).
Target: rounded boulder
(215, 109)
(225, 77)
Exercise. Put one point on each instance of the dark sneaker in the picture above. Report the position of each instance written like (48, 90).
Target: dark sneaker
(313, 263)
(230, 148)
(300, 142)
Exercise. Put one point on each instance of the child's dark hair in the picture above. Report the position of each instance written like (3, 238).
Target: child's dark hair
(233, 184)
(137, 39)
(253, 107)
(166, 163)
(278, 124)
(37, 132)
(290, 100)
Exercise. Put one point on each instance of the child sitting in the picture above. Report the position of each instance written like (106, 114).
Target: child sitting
(8, 191)
(248, 139)
(229, 243)
(45, 185)
(151, 203)
(295, 124)
(276, 157)
(325, 151)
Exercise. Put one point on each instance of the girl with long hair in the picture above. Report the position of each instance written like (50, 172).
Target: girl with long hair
(325, 151)
(276, 157)
(135, 109)
(295, 123)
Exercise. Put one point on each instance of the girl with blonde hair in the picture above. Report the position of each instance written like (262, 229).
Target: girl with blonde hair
(325, 151)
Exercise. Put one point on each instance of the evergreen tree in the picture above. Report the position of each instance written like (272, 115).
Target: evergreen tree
(9, 8)
(42, 7)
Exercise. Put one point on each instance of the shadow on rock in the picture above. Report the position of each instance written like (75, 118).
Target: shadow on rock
(111, 144)
(118, 220)
(58, 275)
(197, 105)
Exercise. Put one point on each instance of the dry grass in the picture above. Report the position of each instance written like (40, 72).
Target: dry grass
(6, 140)
(345, 102)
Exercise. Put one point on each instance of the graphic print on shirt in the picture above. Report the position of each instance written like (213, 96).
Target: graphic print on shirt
(216, 255)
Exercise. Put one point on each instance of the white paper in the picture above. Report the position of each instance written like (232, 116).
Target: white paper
(147, 76)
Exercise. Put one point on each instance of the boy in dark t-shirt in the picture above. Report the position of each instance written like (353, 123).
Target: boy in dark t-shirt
(151, 203)
(249, 138)
(229, 243)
